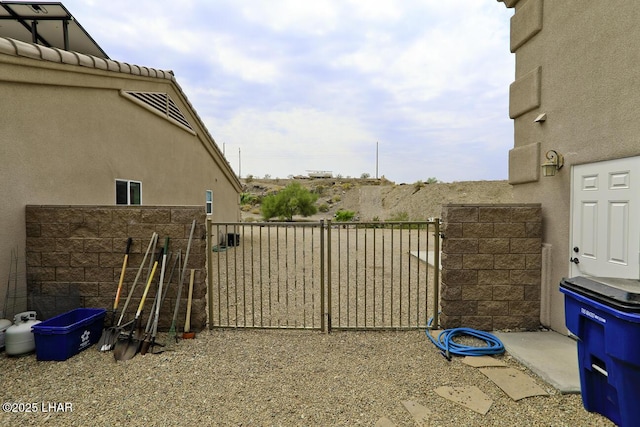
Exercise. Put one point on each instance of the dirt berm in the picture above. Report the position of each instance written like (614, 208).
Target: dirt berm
(381, 199)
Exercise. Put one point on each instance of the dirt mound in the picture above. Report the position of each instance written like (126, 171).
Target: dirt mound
(381, 200)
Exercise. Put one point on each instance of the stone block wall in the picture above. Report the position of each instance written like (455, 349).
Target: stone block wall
(75, 256)
(491, 266)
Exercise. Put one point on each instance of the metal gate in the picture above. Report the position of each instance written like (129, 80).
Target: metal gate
(323, 275)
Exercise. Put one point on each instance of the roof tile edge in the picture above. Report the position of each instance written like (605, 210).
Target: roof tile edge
(49, 54)
(14, 47)
(67, 57)
(27, 50)
(7, 47)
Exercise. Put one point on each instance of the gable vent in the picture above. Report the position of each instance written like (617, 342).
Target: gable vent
(161, 104)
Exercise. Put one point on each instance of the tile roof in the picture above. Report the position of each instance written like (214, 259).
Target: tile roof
(53, 54)
(14, 47)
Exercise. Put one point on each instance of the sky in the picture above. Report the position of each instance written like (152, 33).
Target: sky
(405, 89)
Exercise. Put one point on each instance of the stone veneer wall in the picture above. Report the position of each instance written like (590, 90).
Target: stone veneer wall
(491, 266)
(75, 255)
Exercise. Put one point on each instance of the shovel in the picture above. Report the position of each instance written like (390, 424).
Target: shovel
(172, 330)
(128, 346)
(151, 337)
(111, 335)
(187, 334)
(107, 333)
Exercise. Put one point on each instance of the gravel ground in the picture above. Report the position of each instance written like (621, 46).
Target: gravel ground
(270, 378)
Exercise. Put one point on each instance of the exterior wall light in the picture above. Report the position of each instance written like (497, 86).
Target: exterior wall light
(541, 118)
(554, 163)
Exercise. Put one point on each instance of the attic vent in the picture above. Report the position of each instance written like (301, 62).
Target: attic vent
(160, 103)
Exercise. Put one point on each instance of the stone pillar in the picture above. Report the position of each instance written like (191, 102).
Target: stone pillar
(491, 264)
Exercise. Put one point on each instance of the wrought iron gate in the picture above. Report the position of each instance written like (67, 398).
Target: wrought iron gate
(323, 275)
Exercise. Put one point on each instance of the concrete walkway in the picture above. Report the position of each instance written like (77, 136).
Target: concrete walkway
(552, 356)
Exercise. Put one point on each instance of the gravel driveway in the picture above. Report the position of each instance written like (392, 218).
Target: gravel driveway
(270, 378)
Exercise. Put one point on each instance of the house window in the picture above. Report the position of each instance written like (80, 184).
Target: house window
(128, 192)
(209, 202)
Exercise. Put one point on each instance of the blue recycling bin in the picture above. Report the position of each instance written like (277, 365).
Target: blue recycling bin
(604, 313)
(67, 334)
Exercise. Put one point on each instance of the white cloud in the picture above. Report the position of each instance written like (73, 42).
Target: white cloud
(317, 17)
(280, 143)
(234, 61)
(313, 85)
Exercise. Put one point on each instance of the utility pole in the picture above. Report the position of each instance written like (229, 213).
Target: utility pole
(239, 164)
(376, 159)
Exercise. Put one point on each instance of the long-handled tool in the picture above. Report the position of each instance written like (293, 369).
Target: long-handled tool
(128, 346)
(149, 338)
(106, 332)
(177, 260)
(187, 334)
(172, 330)
(147, 329)
(151, 321)
(154, 333)
(114, 332)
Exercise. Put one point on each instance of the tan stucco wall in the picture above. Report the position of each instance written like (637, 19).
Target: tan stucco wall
(66, 135)
(583, 52)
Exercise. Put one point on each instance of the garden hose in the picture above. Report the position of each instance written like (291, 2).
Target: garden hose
(448, 346)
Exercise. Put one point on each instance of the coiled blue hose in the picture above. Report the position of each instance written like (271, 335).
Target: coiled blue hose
(448, 347)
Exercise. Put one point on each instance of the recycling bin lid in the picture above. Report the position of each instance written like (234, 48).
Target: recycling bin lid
(623, 294)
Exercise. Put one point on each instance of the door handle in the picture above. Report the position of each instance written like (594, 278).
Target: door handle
(575, 260)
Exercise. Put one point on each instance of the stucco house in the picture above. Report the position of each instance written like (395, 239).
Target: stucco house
(78, 128)
(576, 140)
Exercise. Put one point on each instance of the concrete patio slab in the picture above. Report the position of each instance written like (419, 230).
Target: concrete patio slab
(552, 356)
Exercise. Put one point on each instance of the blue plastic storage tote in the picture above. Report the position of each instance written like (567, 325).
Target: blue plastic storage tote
(65, 335)
(604, 314)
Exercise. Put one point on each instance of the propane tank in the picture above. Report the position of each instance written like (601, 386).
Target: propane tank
(19, 338)
(4, 324)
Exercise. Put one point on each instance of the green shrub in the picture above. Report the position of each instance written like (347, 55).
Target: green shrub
(343, 215)
(319, 189)
(248, 199)
(399, 216)
(292, 200)
(323, 207)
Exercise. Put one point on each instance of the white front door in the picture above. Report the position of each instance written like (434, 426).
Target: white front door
(605, 229)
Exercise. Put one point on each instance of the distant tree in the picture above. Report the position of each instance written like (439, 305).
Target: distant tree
(432, 180)
(292, 200)
(365, 176)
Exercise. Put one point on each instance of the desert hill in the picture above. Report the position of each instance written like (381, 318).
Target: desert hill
(373, 199)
